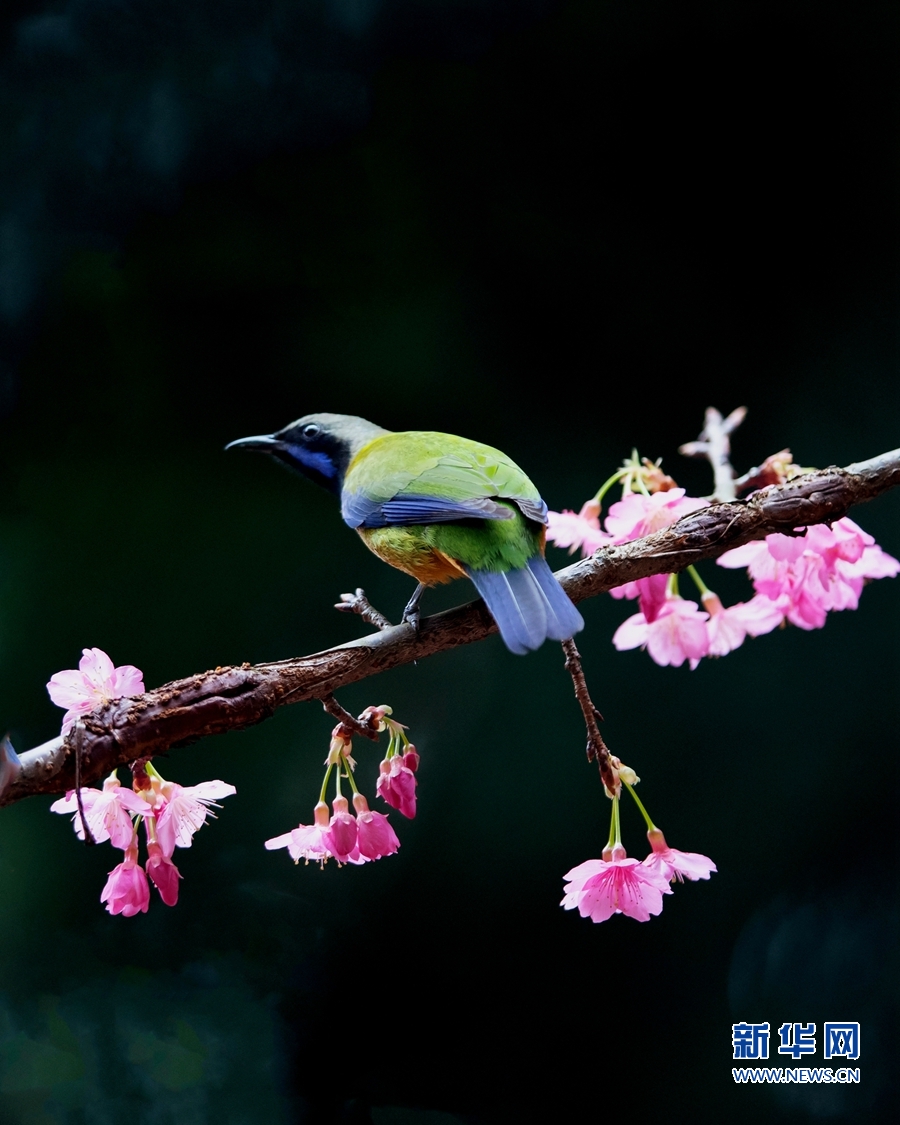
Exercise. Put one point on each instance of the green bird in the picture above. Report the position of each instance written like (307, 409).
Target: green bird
(437, 507)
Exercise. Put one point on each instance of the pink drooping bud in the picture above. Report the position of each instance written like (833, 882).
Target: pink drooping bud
(397, 782)
(127, 891)
(376, 837)
(341, 837)
(164, 874)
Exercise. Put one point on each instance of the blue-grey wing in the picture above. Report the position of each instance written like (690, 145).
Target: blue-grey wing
(406, 511)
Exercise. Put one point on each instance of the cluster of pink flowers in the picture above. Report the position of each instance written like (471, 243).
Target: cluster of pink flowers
(343, 836)
(616, 884)
(796, 578)
(368, 835)
(396, 784)
(171, 813)
(807, 576)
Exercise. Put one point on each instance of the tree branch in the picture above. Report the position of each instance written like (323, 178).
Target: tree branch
(224, 699)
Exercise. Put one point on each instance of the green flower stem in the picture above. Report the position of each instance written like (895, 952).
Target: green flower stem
(350, 777)
(607, 484)
(640, 805)
(701, 585)
(325, 783)
(672, 586)
(397, 738)
(613, 823)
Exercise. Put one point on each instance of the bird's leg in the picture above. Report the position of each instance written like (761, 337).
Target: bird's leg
(411, 613)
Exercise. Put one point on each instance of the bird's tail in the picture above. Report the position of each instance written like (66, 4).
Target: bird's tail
(529, 605)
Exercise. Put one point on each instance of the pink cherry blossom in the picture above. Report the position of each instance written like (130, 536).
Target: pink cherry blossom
(397, 781)
(184, 810)
(670, 863)
(566, 529)
(872, 563)
(677, 634)
(637, 515)
(164, 873)
(728, 626)
(375, 835)
(127, 891)
(306, 841)
(601, 888)
(94, 682)
(108, 811)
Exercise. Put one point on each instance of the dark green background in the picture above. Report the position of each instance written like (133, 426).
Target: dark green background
(637, 208)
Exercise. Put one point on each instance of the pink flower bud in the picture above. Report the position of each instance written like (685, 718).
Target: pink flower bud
(164, 873)
(127, 891)
(397, 782)
(376, 837)
(340, 839)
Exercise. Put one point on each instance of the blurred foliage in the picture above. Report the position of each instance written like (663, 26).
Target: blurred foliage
(563, 229)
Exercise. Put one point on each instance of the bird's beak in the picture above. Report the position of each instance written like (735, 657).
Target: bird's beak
(266, 442)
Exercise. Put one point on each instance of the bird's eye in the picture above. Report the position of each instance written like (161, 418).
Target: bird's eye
(311, 431)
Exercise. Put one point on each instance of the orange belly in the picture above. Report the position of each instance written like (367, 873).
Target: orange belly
(405, 551)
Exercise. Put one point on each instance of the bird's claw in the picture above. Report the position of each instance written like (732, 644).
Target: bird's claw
(411, 613)
(412, 617)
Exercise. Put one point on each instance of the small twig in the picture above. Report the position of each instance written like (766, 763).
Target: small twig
(352, 726)
(358, 603)
(713, 444)
(78, 750)
(597, 750)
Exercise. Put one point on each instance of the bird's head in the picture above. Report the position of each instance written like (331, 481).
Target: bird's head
(320, 446)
